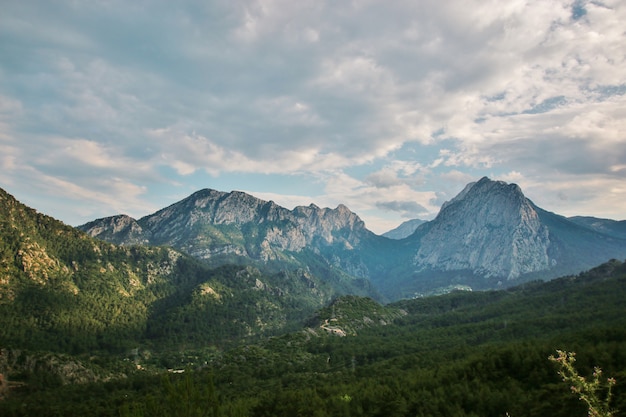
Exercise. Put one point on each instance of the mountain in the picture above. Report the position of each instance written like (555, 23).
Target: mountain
(89, 327)
(211, 223)
(120, 229)
(613, 228)
(490, 235)
(64, 291)
(489, 228)
(235, 227)
(405, 229)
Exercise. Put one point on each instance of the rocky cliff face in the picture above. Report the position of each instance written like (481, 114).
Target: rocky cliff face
(211, 224)
(118, 229)
(491, 229)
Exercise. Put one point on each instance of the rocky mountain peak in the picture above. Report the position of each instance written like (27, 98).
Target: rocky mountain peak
(490, 228)
(210, 222)
(486, 186)
(202, 197)
(120, 229)
(343, 209)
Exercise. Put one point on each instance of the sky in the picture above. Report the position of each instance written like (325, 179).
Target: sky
(388, 107)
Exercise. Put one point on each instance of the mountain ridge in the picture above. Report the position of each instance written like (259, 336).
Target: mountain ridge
(304, 223)
(488, 236)
(56, 281)
(615, 228)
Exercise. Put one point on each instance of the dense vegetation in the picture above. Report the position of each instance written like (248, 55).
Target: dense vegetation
(483, 354)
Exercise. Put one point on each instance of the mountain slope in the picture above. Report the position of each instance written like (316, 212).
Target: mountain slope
(480, 353)
(235, 227)
(574, 248)
(491, 235)
(63, 291)
(405, 229)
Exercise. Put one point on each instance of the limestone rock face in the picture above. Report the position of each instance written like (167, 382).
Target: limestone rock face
(210, 223)
(491, 229)
(120, 229)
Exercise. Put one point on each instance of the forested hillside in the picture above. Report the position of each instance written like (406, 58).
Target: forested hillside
(460, 354)
(65, 292)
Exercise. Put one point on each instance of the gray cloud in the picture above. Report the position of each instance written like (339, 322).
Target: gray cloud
(156, 93)
(407, 209)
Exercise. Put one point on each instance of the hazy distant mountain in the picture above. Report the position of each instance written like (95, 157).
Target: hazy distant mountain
(610, 227)
(491, 235)
(405, 229)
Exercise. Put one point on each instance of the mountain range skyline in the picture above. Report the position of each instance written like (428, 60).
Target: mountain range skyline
(400, 231)
(488, 236)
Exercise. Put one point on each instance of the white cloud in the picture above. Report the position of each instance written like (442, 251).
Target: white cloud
(289, 111)
(532, 90)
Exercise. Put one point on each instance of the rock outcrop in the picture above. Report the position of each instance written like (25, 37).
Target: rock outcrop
(491, 229)
(211, 222)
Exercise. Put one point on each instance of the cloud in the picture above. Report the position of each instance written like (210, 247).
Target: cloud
(79, 203)
(331, 95)
(407, 209)
(579, 139)
(397, 173)
(383, 178)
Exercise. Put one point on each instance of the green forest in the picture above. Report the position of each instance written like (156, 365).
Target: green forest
(460, 354)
